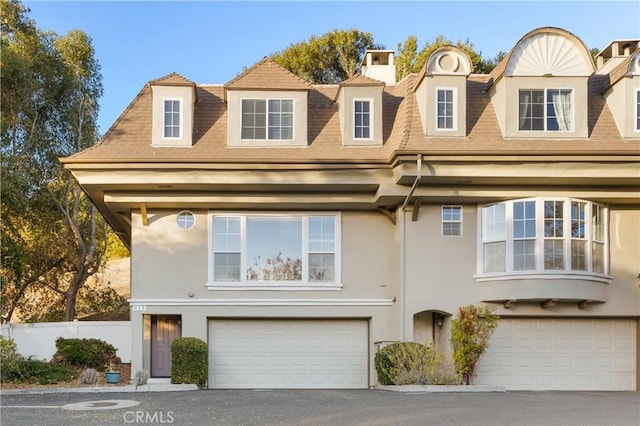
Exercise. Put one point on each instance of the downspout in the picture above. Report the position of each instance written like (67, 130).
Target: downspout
(403, 247)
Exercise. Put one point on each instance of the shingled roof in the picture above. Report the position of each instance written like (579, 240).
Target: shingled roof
(173, 79)
(129, 139)
(267, 75)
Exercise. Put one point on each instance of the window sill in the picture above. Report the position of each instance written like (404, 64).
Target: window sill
(538, 275)
(275, 286)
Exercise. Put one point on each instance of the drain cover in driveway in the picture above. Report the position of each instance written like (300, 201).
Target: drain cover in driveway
(111, 404)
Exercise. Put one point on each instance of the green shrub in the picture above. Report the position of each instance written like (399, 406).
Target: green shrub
(397, 357)
(32, 370)
(410, 363)
(470, 333)
(189, 361)
(8, 357)
(93, 353)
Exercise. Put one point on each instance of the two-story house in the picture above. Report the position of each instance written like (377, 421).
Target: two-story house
(297, 227)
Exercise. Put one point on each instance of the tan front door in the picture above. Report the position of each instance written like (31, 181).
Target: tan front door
(164, 330)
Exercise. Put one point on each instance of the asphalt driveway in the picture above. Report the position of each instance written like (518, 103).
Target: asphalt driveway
(322, 407)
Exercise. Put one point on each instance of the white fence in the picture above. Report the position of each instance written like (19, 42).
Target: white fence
(39, 339)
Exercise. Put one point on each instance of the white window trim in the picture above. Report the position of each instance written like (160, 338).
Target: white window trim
(266, 141)
(545, 130)
(304, 285)
(540, 272)
(637, 112)
(455, 109)
(371, 115)
(164, 124)
(195, 220)
(442, 221)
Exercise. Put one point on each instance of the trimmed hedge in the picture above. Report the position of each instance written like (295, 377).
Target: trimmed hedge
(388, 358)
(93, 353)
(189, 361)
(410, 363)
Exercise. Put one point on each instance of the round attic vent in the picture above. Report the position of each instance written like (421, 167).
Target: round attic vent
(185, 220)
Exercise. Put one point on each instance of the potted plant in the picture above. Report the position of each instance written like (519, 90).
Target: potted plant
(112, 374)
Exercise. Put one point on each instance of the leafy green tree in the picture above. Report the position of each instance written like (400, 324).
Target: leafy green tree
(331, 58)
(411, 60)
(470, 333)
(52, 238)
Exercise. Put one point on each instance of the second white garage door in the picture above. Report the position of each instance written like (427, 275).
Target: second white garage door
(561, 354)
(288, 354)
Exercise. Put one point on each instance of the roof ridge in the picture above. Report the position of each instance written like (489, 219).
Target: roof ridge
(267, 61)
(171, 75)
(409, 97)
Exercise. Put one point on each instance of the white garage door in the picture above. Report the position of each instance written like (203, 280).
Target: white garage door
(288, 354)
(561, 354)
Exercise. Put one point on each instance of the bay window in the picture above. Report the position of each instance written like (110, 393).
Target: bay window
(274, 250)
(543, 236)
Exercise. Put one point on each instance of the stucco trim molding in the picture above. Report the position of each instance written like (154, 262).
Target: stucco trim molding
(260, 302)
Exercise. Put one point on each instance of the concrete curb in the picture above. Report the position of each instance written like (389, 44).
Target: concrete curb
(442, 388)
(160, 387)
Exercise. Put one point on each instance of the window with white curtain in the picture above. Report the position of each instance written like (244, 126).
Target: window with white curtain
(545, 110)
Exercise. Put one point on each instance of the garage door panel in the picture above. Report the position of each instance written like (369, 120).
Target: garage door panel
(590, 354)
(288, 353)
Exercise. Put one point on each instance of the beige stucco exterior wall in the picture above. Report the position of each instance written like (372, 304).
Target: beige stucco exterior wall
(186, 96)
(440, 270)
(621, 100)
(427, 104)
(234, 114)
(170, 263)
(346, 98)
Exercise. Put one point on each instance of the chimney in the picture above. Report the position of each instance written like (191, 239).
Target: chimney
(378, 65)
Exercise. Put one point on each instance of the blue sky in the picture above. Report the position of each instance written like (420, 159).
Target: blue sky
(211, 41)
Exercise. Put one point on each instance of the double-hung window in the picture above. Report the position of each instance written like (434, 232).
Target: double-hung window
(171, 126)
(451, 221)
(445, 107)
(541, 235)
(267, 119)
(545, 110)
(274, 250)
(361, 119)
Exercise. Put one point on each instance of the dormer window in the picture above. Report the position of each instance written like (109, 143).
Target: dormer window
(362, 119)
(546, 110)
(445, 107)
(270, 119)
(174, 99)
(171, 119)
